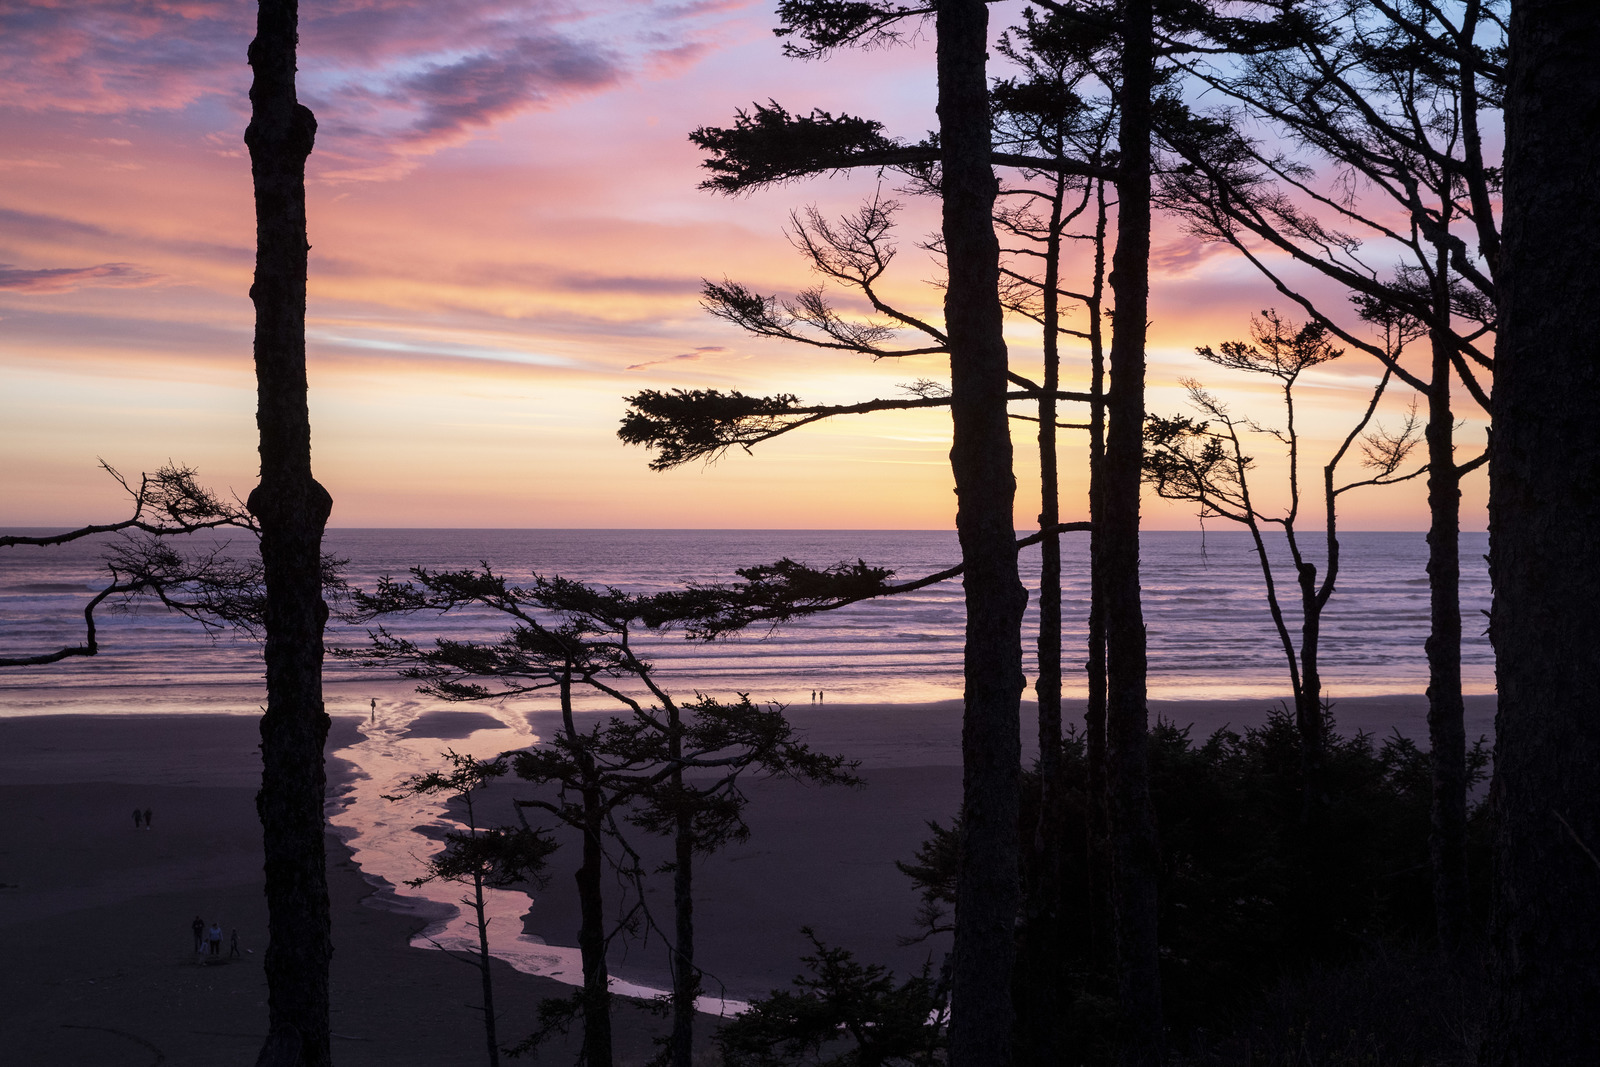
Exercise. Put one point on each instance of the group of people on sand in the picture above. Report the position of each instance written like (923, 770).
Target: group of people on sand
(141, 819)
(208, 939)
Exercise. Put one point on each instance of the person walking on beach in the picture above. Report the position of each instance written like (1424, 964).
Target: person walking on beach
(215, 935)
(374, 717)
(147, 818)
(138, 818)
(233, 946)
(199, 928)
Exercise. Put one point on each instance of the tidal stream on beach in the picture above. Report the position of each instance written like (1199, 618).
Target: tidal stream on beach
(390, 840)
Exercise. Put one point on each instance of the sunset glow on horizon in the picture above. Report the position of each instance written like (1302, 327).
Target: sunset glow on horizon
(507, 239)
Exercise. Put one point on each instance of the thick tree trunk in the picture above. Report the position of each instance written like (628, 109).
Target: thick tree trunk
(292, 510)
(1133, 832)
(988, 888)
(1544, 511)
(1447, 734)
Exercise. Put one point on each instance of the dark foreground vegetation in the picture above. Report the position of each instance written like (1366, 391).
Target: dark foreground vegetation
(1255, 968)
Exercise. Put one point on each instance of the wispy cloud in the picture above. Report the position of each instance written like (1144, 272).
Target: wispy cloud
(475, 90)
(693, 356)
(67, 279)
(390, 80)
(1184, 254)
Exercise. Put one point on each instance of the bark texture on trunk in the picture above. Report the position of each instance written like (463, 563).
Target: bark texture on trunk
(1133, 833)
(1544, 511)
(292, 510)
(988, 887)
(1447, 733)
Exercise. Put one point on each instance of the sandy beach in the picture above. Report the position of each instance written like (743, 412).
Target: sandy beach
(95, 915)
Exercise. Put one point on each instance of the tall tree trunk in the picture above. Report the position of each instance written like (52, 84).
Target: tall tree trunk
(1102, 918)
(988, 888)
(1133, 832)
(1038, 984)
(1447, 734)
(1544, 511)
(484, 972)
(292, 510)
(685, 976)
(596, 1051)
(596, 996)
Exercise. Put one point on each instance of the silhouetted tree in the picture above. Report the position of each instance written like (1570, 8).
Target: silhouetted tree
(481, 858)
(770, 146)
(292, 509)
(567, 634)
(1057, 110)
(167, 503)
(1544, 504)
(1397, 96)
(1205, 463)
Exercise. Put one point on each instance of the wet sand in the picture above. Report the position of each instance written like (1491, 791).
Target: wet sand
(95, 915)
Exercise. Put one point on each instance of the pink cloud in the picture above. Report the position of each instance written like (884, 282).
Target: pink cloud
(389, 79)
(693, 356)
(67, 279)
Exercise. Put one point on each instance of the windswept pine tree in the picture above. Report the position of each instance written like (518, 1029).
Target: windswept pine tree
(168, 503)
(566, 636)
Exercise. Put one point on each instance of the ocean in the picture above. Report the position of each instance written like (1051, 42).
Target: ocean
(1210, 632)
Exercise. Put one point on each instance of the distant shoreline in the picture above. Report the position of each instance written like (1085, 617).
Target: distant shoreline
(350, 699)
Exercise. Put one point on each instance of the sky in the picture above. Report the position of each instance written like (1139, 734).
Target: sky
(507, 239)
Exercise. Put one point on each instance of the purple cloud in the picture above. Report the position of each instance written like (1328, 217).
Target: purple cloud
(478, 89)
(113, 56)
(389, 79)
(67, 279)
